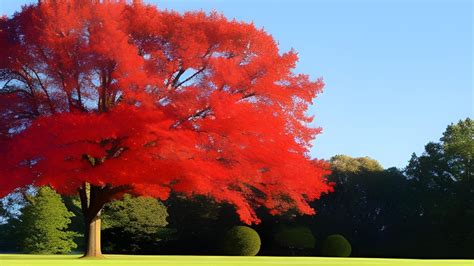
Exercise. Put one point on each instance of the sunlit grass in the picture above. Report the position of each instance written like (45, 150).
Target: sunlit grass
(66, 260)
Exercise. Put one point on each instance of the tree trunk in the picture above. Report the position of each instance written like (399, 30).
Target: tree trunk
(93, 198)
(92, 238)
(91, 208)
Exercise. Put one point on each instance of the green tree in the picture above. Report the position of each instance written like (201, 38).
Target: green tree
(350, 165)
(134, 225)
(366, 206)
(443, 180)
(449, 161)
(458, 145)
(44, 224)
(135, 214)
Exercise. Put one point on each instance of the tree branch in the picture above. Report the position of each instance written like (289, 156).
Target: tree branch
(102, 195)
(191, 77)
(83, 197)
(196, 114)
(43, 88)
(176, 78)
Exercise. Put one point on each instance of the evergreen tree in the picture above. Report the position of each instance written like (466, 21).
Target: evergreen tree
(44, 224)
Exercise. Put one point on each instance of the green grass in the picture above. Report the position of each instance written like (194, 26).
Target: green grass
(72, 260)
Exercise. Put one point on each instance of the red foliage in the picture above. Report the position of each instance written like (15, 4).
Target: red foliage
(112, 93)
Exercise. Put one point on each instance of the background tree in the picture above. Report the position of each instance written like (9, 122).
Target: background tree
(344, 165)
(423, 211)
(295, 237)
(126, 98)
(458, 145)
(10, 231)
(200, 223)
(44, 224)
(134, 225)
(370, 207)
(443, 180)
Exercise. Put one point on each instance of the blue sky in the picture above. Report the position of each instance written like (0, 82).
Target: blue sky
(396, 72)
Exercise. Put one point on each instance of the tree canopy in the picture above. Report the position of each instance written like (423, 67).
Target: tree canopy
(132, 99)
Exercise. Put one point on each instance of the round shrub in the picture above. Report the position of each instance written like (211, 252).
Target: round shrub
(336, 246)
(241, 241)
(295, 237)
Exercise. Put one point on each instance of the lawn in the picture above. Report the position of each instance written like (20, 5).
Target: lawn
(52, 260)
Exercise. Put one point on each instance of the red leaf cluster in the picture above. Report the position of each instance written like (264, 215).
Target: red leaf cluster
(112, 93)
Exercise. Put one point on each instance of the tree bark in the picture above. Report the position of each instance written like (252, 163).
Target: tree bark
(93, 198)
(92, 238)
(91, 208)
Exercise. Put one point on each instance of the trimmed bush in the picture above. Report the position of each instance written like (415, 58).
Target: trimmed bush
(241, 241)
(336, 246)
(295, 237)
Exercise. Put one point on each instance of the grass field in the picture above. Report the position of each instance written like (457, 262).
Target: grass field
(72, 260)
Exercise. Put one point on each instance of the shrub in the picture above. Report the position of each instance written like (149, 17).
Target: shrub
(336, 246)
(241, 241)
(295, 237)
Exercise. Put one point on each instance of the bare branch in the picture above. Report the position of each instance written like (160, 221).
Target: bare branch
(43, 88)
(176, 78)
(191, 77)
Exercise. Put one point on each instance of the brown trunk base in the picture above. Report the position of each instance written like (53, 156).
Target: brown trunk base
(93, 247)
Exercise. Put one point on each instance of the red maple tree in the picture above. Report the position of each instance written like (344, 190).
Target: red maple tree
(103, 98)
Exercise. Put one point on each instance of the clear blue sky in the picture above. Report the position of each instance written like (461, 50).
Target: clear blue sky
(396, 72)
